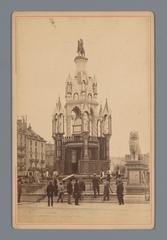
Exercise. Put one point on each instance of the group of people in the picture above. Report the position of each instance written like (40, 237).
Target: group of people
(107, 187)
(57, 188)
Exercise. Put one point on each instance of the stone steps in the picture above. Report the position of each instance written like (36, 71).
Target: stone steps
(86, 198)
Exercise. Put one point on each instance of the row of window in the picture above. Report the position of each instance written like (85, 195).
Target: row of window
(22, 138)
(31, 143)
(76, 96)
(31, 156)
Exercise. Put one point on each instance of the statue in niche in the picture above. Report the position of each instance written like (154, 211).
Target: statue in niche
(56, 125)
(73, 118)
(61, 123)
(94, 86)
(83, 87)
(69, 87)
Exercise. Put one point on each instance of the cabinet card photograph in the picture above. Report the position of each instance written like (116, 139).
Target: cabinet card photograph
(83, 120)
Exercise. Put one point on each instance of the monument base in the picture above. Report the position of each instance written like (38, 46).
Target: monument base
(136, 172)
(135, 189)
(93, 166)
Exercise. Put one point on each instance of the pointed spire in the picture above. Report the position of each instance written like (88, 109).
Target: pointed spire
(68, 79)
(106, 109)
(106, 105)
(59, 104)
(59, 108)
(94, 79)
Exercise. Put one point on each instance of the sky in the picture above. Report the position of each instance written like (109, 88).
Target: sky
(118, 52)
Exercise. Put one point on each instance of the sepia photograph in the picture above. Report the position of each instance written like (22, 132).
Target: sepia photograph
(83, 120)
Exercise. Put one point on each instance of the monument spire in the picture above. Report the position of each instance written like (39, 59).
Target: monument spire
(80, 59)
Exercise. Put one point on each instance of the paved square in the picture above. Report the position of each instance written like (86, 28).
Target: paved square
(86, 214)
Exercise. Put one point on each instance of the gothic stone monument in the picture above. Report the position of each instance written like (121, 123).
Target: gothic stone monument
(136, 166)
(81, 129)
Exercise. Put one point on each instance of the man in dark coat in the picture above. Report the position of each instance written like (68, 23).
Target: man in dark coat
(69, 190)
(76, 192)
(55, 180)
(107, 190)
(82, 188)
(19, 190)
(50, 192)
(120, 190)
(95, 183)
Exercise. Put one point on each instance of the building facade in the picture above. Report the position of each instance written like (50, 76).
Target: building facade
(30, 148)
(82, 128)
(50, 155)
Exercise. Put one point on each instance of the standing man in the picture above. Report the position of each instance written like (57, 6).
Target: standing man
(76, 192)
(82, 188)
(106, 191)
(69, 190)
(60, 192)
(55, 181)
(19, 190)
(120, 190)
(50, 192)
(95, 183)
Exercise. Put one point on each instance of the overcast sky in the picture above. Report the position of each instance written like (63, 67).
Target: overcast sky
(118, 53)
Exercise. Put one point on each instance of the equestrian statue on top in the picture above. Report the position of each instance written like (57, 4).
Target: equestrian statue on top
(80, 49)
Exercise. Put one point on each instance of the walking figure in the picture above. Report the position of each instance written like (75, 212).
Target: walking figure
(82, 188)
(107, 190)
(69, 190)
(55, 181)
(60, 192)
(120, 190)
(95, 183)
(76, 192)
(50, 192)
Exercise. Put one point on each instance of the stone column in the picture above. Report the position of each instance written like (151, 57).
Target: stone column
(85, 142)
(58, 164)
(107, 147)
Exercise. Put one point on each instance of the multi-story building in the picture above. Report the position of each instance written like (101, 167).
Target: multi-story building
(81, 129)
(50, 155)
(30, 147)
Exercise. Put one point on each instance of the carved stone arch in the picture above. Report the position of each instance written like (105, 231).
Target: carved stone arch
(75, 96)
(89, 96)
(76, 120)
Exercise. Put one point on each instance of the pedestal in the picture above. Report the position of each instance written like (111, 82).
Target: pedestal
(85, 148)
(93, 166)
(136, 170)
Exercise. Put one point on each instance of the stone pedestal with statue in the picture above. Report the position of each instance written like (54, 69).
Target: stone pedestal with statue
(136, 167)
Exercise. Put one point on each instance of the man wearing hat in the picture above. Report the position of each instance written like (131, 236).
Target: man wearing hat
(95, 183)
(120, 190)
